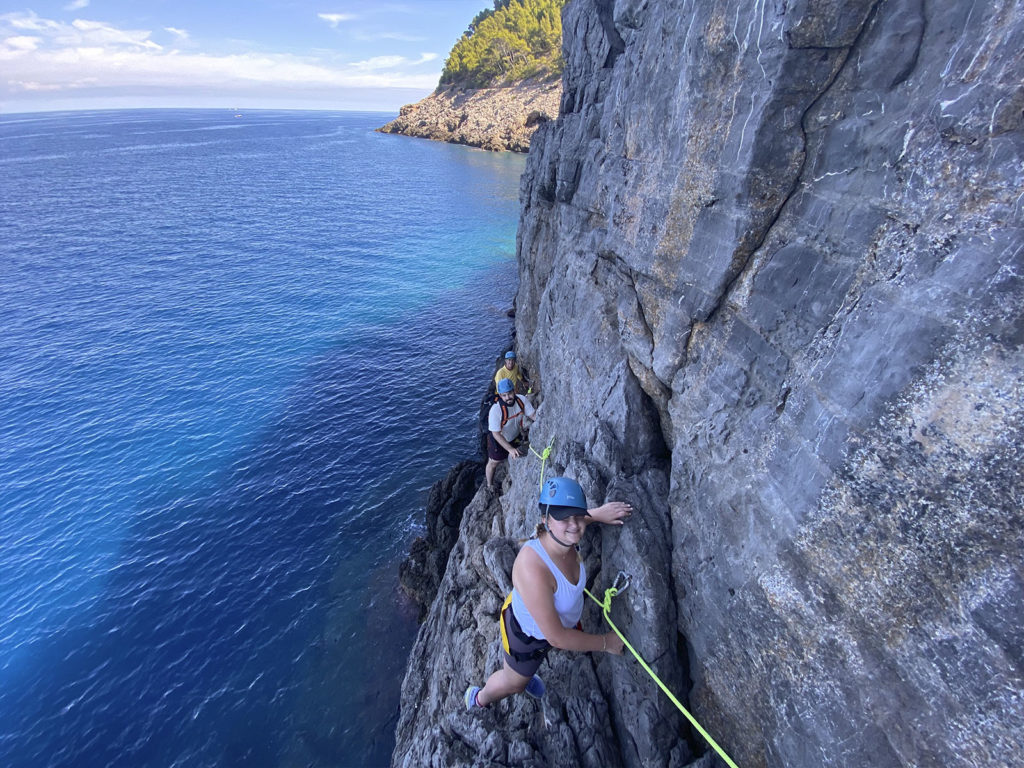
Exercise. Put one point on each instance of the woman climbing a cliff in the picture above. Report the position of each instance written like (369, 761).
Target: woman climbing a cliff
(546, 603)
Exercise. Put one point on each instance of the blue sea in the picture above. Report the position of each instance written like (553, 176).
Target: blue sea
(236, 351)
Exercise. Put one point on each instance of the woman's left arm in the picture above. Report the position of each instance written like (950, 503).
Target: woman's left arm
(612, 513)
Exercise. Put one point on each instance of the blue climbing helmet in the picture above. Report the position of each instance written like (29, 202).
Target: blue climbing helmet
(504, 386)
(562, 497)
(510, 355)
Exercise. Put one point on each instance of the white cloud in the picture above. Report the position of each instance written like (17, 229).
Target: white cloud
(79, 32)
(30, 22)
(334, 19)
(379, 62)
(92, 54)
(390, 62)
(99, 34)
(181, 34)
(76, 5)
(22, 42)
(22, 85)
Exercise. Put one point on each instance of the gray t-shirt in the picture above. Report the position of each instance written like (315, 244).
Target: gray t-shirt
(514, 425)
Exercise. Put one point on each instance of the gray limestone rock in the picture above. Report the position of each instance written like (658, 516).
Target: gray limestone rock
(771, 264)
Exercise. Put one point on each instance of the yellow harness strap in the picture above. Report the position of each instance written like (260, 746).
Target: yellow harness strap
(501, 623)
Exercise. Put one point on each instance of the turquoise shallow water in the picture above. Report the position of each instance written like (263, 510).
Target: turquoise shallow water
(236, 353)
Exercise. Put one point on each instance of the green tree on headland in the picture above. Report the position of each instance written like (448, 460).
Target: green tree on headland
(518, 39)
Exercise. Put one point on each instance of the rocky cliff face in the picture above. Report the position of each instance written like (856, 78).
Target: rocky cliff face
(771, 263)
(497, 119)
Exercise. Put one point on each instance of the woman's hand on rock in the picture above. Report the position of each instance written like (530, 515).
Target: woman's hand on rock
(612, 513)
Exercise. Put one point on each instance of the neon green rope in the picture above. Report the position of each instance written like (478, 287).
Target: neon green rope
(606, 608)
(543, 458)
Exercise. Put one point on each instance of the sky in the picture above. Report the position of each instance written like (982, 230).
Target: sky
(234, 54)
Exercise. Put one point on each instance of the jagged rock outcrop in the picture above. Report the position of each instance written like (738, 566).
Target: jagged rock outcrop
(771, 263)
(421, 572)
(490, 118)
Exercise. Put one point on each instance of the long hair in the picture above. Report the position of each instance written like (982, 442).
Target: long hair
(537, 531)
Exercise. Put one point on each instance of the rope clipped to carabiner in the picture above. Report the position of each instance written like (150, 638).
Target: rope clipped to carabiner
(606, 609)
(620, 585)
(543, 459)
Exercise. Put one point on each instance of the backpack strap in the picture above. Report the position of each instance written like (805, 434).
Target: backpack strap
(504, 409)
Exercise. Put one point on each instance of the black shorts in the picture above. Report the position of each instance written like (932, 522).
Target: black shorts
(525, 653)
(494, 451)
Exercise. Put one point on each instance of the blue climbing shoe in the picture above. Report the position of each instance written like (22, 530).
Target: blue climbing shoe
(470, 697)
(535, 687)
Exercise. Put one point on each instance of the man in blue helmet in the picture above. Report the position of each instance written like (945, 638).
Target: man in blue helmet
(513, 371)
(544, 608)
(505, 422)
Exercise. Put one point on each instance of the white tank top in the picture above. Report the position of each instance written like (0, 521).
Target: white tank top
(568, 596)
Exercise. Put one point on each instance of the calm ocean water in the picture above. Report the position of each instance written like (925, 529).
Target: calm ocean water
(236, 351)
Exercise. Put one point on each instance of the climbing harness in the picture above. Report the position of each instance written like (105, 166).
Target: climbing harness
(521, 636)
(606, 608)
(543, 458)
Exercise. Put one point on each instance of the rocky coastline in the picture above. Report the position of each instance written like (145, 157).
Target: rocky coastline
(771, 272)
(497, 119)
(421, 572)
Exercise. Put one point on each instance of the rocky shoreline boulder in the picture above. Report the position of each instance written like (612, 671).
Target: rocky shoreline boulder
(497, 119)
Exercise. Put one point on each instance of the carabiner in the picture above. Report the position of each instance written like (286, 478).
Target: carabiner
(622, 577)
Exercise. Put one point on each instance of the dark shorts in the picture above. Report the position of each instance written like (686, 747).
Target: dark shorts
(495, 451)
(527, 652)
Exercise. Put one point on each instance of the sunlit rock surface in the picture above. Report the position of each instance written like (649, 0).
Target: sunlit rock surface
(771, 264)
(497, 119)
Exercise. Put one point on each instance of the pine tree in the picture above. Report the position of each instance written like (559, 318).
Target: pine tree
(516, 40)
